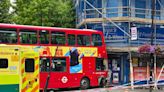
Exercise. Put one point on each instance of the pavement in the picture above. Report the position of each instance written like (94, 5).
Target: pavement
(114, 90)
(119, 89)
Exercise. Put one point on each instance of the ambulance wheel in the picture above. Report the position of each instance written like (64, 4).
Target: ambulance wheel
(85, 83)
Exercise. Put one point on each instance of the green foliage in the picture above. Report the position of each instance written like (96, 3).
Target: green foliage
(58, 13)
(5, 16)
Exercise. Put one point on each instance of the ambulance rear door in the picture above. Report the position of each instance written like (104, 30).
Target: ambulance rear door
(29, 71)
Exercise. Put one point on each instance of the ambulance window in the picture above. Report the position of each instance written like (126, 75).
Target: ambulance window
(3, 63)
(29, 65)
(59, 64)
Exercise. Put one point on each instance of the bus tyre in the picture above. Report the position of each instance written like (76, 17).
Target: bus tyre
(85, 83)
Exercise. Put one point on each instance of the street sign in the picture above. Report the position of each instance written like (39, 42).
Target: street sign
(134, 33)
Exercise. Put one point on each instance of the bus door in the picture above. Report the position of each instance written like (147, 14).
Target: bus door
(29, 72)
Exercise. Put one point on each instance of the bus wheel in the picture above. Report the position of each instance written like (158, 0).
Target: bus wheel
(85, 83)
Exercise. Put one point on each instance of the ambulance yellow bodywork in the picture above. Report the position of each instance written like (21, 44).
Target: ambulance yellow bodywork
(19, 69)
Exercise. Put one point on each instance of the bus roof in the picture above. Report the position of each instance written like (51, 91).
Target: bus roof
(43, 28)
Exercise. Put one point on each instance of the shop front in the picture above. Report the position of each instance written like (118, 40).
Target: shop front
(141, 69)
(119, 67)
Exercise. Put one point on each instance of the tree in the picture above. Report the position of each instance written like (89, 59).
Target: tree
(5, 16)
(58, 13)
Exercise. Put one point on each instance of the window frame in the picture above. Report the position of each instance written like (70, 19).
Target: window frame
(28, 30)
(6, 61)
(75, 40)
(43, 58)
(86, 40)
(103, 68)
(65, 35)
(11, 31)
(39, 37)
(92, 40)
(61, 58)
(27, 64)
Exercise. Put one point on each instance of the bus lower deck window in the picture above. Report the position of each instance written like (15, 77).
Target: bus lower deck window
(3, 63)
(100, 64)
(44, 64)
(59, 64)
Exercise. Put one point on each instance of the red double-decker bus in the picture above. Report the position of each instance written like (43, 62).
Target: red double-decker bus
(67, 57)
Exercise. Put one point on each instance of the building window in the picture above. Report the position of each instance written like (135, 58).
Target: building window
(28, 37)
(44, 64)
(112, 8)
(8, 36)
(58, 38)
(71, 39)
(140, 62)
(96, 40)
(3, 63)
(140, 10)
(59, 64)
(44, 37)
(83, 40)
(29, 65)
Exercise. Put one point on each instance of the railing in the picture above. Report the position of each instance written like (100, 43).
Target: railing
(121, 12)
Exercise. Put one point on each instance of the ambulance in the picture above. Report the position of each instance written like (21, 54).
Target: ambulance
(19, 69)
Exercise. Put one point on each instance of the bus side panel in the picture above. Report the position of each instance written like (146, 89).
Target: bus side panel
(89, 70)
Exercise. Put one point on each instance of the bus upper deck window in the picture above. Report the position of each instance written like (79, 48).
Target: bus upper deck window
(83, 40)
(29, 65)
(71, 39)
(96, 40)
(28, 37)
(8, 36)
(44, 37)
(58, 38)
(3, 63)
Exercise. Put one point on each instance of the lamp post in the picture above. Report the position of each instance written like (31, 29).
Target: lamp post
(152, 43)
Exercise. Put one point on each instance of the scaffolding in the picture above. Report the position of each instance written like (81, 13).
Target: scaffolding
(121, 12)
(111, 13)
